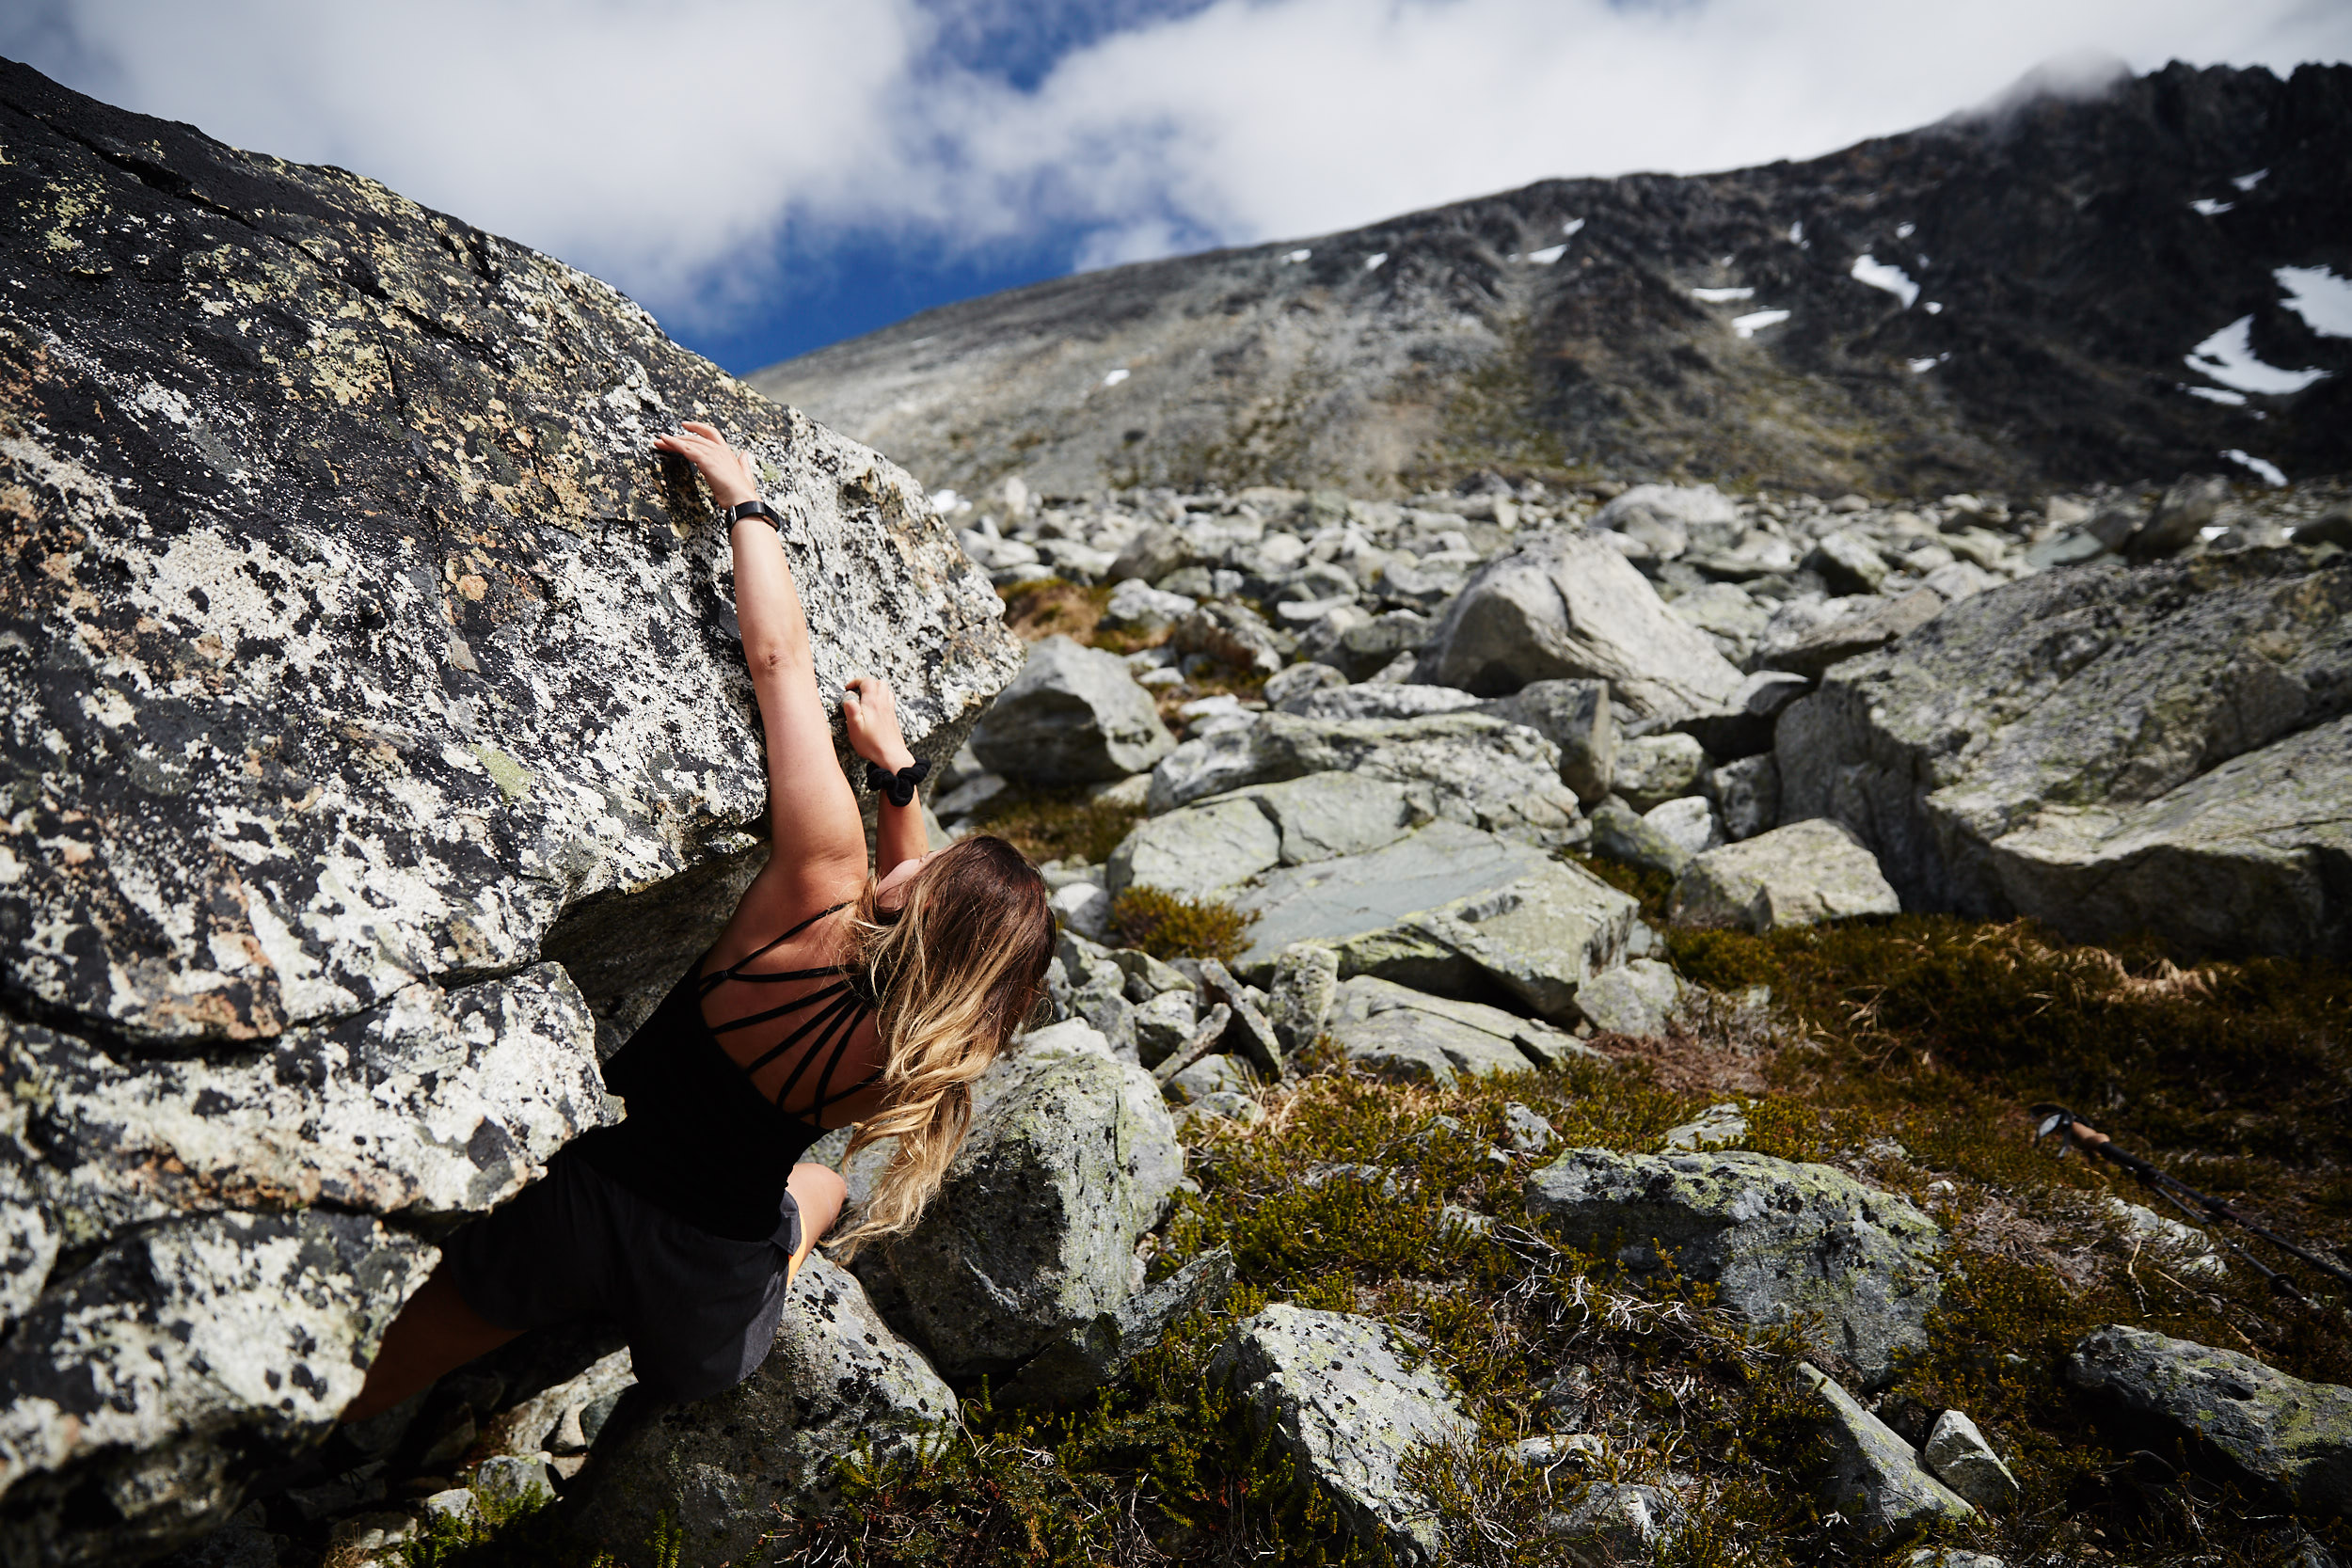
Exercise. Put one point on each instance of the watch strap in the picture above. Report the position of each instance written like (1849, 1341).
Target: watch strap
(754, 509)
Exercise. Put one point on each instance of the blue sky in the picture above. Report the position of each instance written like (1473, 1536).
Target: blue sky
(769, 176)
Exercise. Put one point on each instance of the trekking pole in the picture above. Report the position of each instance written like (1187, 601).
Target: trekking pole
(2071, 1130)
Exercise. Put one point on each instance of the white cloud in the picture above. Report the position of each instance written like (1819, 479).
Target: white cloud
(666, 146)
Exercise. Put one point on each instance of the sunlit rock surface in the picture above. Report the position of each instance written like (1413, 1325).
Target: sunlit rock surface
(355, 657)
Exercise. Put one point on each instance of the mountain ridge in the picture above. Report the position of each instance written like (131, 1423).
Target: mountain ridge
(2065, 264)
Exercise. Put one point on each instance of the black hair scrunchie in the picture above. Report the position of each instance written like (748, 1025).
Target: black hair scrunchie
(899, 787)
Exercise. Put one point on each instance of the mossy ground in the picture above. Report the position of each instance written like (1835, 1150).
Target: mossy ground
(1903, 1049)
(1169, 927)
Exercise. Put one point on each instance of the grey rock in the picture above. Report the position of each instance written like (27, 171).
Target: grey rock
(1378, 700)
(1638, 997)
(361, 653)
(1576, 717)
(1961, 580)
(1620, 834)
(1563, 606)
(1072, 1157)
(1525, 1130)
(1073, 715)
(1848, 563)
(2107, 750)
(1299, 681)
(1415, 1036)
(1448, 909)
(1162, 1024)
(146, 1371)
(1306, 976)
(1360, 646)
(722, 1469)
(2070, 548)
(1084, 908)
(1957, 1455)
(2187, 507)
(1090, 1356)
(455, 1504)
(1147, 976)
(1136, 606)
(1687, 822)
(1325, 816)
(1199, 852)
(1233, 635)
(1874, 1480)
(508, 1484)
(549, 1420)
(1716, 1127)
(1229, 1105)
(1655, 768)
(1745, 727)
(969, 796)
(1249, 1035)
(1336, 1393)
(1215, 1073)
(1156, 552)
(1621, 1518)
(1781, 1240)
(1668, 519)
(1800, 875)
(1746, 795)
(1874, 626)
(1729, 616)
(2277, 1434)
(1479, 770)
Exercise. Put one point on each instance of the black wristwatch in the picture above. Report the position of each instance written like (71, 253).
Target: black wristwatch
(754, 509)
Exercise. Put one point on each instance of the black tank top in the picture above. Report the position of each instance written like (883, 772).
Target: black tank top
(700, 1139)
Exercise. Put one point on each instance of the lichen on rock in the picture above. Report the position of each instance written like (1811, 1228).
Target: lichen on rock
(358, 656)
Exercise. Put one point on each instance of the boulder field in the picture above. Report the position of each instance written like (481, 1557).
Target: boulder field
(378, 751)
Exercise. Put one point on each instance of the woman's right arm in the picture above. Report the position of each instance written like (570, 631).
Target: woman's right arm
(816, 839)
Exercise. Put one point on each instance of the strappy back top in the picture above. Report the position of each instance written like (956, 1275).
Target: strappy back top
(703, 1139)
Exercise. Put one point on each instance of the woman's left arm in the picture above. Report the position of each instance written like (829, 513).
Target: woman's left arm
(870, 714)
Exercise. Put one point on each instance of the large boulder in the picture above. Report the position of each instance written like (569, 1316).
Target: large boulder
(725, 1471)
(1561, 607)
(1481, 771)
(1448, 909)
(1576, 717)
(1207, 850)
(1073, 715)
(1781, 1242)
(1337, 1393)
(358, 656)
(2259, 1426)
(2108, 750)
(1072, 1157)
(1801, 875)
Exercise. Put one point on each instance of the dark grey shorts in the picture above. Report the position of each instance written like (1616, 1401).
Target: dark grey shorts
(700, 1311)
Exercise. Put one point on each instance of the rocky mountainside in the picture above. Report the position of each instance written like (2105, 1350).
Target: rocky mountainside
(2058, 289)
(356, 660)
(1539, 1035)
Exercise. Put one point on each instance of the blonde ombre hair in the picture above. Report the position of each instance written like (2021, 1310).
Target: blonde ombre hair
(955, 973)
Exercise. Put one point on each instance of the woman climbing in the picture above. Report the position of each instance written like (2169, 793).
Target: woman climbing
(832, 997)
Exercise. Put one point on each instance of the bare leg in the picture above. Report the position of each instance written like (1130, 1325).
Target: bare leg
(434, 1333)
(819, 1193)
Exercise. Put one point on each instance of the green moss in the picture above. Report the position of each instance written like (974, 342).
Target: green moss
(1058, 824)
(1169, 927)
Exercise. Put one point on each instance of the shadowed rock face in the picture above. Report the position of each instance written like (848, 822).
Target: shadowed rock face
(2059, 264)
(356, 656)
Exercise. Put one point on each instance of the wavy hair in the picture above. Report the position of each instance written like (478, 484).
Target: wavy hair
(960, 968)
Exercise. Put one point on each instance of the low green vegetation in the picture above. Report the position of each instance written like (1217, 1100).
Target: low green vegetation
(1058, 824)
(1902, 1050)
(1168, 926)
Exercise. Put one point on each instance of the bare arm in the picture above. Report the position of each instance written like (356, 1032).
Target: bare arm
(817, 843)
(870, 714)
